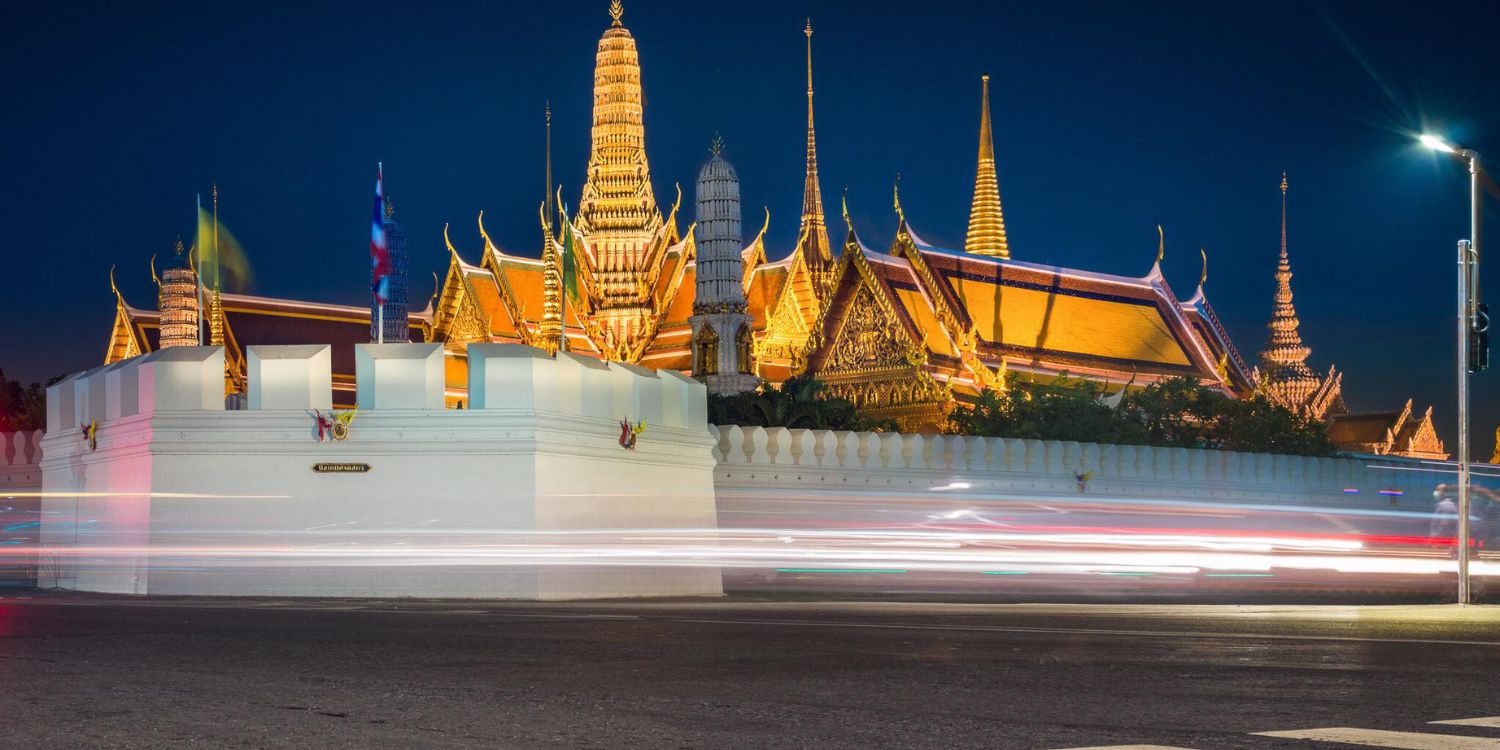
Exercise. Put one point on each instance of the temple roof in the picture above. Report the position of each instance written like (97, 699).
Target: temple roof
(251, 320)
(1068, 317)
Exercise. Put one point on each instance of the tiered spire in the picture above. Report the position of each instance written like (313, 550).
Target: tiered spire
(617, 198)
(986, 221)
(813, 224)
(1285, 358)
(1283, 375)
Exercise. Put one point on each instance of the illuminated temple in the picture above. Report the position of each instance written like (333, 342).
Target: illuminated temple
(904, 329)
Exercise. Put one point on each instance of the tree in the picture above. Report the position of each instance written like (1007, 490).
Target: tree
(21, 407)
(1259, 426)
(799, 402)
(1062, 409)
(1176, 413)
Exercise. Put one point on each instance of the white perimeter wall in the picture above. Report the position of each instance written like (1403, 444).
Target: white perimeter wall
(775, 462)
(185, 498)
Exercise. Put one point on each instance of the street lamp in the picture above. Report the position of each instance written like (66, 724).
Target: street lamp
(1468, 323)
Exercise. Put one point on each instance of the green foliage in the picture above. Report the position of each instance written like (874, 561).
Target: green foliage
(21, 407)
(1177, 413)
(799, 402)
(1063, 409)
(1259, 426)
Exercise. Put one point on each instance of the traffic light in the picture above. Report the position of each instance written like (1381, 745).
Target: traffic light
(1479, 339)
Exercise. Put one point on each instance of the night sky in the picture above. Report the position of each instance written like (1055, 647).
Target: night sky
(1110, 118)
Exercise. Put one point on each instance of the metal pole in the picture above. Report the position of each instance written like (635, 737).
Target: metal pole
(380, 323)
(1463, 422)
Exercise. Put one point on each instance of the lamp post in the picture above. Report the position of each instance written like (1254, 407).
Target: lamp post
(1468, 293)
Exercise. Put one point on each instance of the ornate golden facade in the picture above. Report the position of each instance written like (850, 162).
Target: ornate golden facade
(904, 332)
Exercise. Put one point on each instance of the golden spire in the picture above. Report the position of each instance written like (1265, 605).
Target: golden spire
(1284, 360)
(986, 221)
(617, 197)
(616, 9)
(813, 224)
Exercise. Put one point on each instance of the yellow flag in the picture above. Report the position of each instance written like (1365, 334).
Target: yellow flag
(220, 259)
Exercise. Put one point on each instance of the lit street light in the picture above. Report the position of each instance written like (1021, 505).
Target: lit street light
(1468, 323)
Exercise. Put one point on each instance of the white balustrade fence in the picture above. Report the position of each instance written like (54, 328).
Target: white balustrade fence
(20, 449)
(847, 461)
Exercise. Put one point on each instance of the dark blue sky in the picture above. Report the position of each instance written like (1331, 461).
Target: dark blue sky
(1109, 119)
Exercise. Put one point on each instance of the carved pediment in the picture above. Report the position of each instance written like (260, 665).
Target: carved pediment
(868, 339)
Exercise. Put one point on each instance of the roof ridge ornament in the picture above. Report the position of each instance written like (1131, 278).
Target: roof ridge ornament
(616, 10)
(1161, 244)
(1203, 277)
(896, 196)
(716, 146)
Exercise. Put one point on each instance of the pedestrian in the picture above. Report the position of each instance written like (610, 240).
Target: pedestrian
(1444, 515)
(1486, 531)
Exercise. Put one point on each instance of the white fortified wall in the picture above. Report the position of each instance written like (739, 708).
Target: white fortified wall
(519, 496)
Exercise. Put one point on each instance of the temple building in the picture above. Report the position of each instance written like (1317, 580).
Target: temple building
(723, 354)
(1283, 375)
(1388, 433)
(1284, 378)
(905, 331)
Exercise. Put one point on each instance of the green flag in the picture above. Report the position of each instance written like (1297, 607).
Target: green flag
(220, 259)
(570, 247)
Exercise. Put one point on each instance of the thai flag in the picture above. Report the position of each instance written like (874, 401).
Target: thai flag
(380, 251)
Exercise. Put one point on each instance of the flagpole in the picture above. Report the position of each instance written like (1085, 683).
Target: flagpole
(380, 303)
(216, 237)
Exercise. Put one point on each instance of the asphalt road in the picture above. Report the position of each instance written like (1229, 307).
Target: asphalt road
(86, 671)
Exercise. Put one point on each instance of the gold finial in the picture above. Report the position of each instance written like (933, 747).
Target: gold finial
(716, 147)
(154, 277)
(1161, 245)
(112, 286)
(1283, 215)
(390, 209)
(1203, 277)
(177, 246)
(547, 188)
(616, 9)
(896, 195)
(845, 201)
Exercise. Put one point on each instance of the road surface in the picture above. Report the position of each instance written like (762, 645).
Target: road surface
(93, 671)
